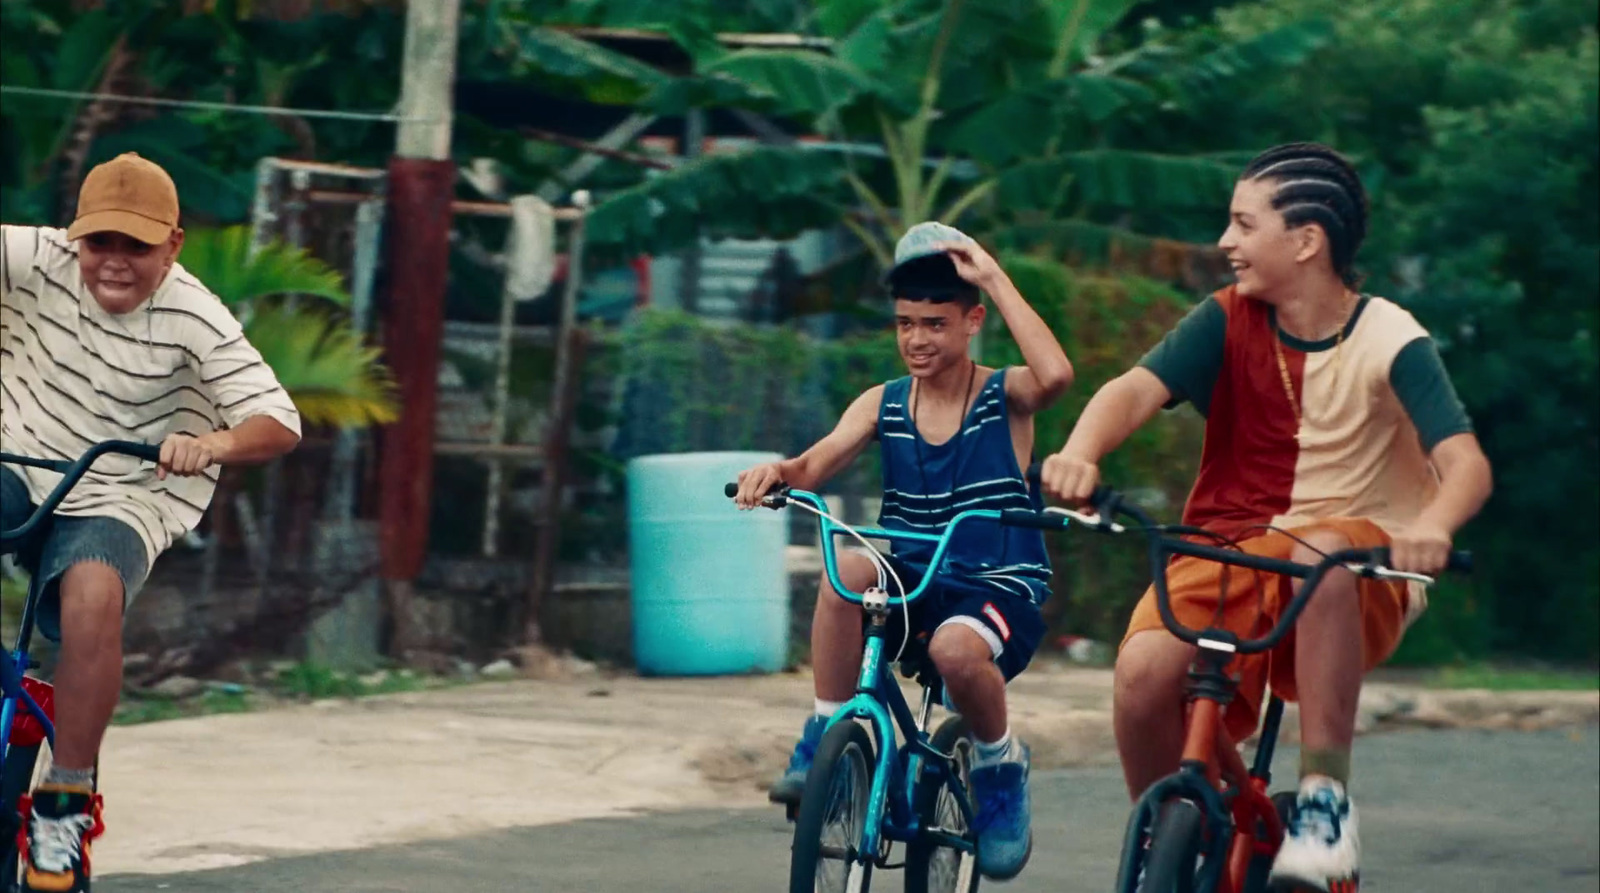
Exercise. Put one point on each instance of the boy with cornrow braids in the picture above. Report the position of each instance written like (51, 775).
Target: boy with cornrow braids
(1329, 415)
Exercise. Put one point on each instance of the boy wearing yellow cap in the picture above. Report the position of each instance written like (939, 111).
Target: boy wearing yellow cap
(104, 336)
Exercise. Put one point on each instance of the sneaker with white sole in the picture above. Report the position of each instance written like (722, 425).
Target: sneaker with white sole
(62, 823)
(1321, 849)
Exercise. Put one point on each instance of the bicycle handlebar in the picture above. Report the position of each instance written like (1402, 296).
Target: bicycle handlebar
(1368, 563)
(782, 494)
(72, 472)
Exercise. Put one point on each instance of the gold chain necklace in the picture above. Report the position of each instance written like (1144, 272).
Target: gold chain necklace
(1283, 366)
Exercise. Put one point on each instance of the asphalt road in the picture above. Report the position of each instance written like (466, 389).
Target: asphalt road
(1446, 811)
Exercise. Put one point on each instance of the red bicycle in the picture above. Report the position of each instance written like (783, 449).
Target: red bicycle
(1184, 833)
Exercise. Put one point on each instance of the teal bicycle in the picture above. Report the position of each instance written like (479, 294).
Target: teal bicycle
(868, 787)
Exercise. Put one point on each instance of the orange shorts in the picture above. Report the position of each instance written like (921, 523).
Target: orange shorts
(1255, 601)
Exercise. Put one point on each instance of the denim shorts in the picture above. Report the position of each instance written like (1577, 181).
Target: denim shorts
(67, 541)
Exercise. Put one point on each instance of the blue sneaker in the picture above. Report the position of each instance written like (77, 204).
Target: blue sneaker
(1000, 801)
(792, 783)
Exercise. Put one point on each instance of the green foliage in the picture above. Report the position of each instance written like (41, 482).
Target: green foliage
(332, 375)
(136, 710)
(1514, 678)
(312, 681)
(219, 53)
(221, 259)
(713, 197)
(691, 385)
(933, 83)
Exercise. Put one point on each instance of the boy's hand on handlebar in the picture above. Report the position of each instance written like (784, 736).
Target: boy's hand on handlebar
(1422, 548)
(185, 456)
(1069, 479)
(754, 484)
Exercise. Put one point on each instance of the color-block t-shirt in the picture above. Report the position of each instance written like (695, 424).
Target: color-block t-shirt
(1374, 404)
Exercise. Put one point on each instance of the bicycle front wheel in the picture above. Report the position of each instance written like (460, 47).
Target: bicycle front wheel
(826, 856)
(1174, 856)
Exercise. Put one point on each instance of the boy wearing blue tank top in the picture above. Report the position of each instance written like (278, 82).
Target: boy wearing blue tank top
(953, 436)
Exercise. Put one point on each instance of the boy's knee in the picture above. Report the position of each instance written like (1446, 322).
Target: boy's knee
(92, 588)
(1149, 672)
(957, 650)
(1335, 590)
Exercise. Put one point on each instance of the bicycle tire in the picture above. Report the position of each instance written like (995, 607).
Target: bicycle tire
(1255, 879)
(845, 753)
(952, 736)
(1170, 865)
(16, 779)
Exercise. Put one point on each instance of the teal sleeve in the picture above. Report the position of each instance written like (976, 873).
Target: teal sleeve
(1189, 359)
(1420, 381)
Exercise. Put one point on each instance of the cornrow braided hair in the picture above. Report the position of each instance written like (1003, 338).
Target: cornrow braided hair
(1315, 184)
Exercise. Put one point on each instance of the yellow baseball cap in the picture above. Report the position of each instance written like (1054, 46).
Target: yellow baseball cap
(129, 195)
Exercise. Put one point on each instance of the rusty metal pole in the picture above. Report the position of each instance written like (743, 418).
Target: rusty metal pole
(563, 393)
(421, 188)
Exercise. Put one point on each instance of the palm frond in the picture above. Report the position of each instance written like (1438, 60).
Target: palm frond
(333, 377)
(221, 259)
(757, 192)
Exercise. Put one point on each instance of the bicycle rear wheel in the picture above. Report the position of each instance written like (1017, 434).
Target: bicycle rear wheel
(825, 857)
(936, 869)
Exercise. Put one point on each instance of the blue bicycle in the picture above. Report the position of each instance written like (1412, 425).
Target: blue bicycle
(26, 703)
(869, 788)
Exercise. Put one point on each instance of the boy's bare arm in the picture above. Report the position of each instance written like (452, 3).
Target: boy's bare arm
(1116, 411)
(1465, 482)
(826, 458)
(1048, 372)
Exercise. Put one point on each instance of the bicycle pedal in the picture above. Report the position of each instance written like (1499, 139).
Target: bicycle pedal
(791, 811)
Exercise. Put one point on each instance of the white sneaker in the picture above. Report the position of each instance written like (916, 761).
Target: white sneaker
(1321, 849)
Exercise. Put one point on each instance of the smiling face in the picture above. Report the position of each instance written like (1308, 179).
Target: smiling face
(123, 272)
(1269, 257)
(934, 336)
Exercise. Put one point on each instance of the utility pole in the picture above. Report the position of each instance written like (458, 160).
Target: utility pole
(421, 188)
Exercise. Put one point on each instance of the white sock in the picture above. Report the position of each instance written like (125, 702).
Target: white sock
(828, 708)
(993, 752)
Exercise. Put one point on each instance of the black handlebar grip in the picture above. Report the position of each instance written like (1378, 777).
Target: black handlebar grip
(730, 490)
(1037, 520)
(150, 452)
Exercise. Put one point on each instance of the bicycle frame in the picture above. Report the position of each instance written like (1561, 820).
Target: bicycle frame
(33, 724)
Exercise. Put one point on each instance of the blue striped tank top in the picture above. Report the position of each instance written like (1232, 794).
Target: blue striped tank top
(924, 486)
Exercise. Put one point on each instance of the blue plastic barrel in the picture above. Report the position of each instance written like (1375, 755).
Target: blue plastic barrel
(710, 587)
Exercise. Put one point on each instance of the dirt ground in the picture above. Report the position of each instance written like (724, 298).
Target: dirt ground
(231, 789)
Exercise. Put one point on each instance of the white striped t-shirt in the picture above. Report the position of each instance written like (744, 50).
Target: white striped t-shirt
(72, 375)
